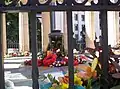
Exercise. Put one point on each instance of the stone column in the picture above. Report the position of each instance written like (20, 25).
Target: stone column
(4, 46)
(97, 24)
(46, 29)
(65, 32)
(117, 27)
(90, 29)
(23, 32)
(113, 28)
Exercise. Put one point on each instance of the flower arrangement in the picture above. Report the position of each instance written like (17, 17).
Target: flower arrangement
(113, 79)
(49, 59)
(52, 59)
(29, 62)
(82, 79)
(18, 54)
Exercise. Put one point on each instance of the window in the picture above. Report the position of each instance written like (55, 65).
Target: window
(76, 27)
(76, 36)
(83, 27)
(83, 17)
(76, 16)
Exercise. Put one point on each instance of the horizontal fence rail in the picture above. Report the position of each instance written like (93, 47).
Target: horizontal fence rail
(58, 8)
(63, 2)
(17, 6)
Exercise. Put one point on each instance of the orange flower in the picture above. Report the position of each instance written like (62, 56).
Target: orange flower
(64, 79)
(88, 71)
(49, 52)
(94, 74)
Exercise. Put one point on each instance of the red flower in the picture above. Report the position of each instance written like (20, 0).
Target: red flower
(83, 57)
(14, 54)
(63, 63)
(76, 62)
(65, 59)
(29, 62)
(49, 60)
(39, 62)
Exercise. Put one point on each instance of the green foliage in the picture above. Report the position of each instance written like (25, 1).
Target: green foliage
(89, 84)
(116, 87)
(42, 77)
(52, 79)
(57, 87)
(12, 21)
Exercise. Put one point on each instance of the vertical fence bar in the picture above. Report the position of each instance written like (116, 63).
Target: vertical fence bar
(35, 73)
(70, 46)
(105, 56)
(1, 2)
(2, 82)
(70, 50)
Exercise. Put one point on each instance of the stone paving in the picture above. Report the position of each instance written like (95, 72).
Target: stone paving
(12, 73)
(21, 75)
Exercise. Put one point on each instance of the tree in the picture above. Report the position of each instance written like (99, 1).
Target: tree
(12, 21)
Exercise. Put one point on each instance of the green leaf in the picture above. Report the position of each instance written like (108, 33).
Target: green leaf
(50, 77)
(96, 85)
(89, 84)
(55, 81)
(116, 87)
(58, 87)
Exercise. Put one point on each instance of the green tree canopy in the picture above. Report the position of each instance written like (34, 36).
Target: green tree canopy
(12, 21)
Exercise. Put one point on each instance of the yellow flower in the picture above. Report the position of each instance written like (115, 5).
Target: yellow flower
(94, 64)
(77, 80)
(64, 86)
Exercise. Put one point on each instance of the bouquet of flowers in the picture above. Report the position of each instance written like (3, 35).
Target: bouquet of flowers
(82, 79)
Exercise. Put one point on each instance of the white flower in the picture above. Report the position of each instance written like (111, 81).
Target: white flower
(57, 50)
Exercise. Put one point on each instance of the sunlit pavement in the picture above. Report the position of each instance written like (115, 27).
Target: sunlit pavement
(13, 63)
(21, 75)
(13, 72)
(23, 87)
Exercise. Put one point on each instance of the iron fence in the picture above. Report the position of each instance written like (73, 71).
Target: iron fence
(34, 6)
(12, 45)
(16, 45)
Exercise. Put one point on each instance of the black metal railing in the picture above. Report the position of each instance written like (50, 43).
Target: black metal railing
(13, 45)
(16, 45)
(34, 6)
